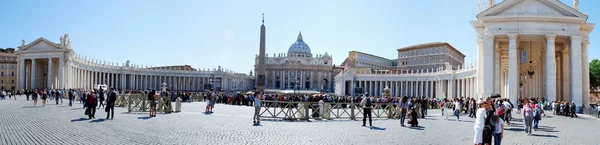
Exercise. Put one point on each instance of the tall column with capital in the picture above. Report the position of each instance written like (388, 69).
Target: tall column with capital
(512, 68)
(50, 74)
(576, 71)
(586, 73)
(60, 84)
(551, 68)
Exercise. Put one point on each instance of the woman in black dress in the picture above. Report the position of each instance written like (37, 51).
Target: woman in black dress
(44, 97)
(34, 97)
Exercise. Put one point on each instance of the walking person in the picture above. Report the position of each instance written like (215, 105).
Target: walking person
(71, 97)
(536, 115)
(457, 109)
(403, 107)
(366, 104)
(257, 106)
(101, 98)
(34, 97)
(527, 116)
(423, 107)
(91, 105)
(110, 103)
(44, 97)
(573, 107)
(480, 122)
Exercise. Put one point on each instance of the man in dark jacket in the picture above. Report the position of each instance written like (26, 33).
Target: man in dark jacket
(110, 103)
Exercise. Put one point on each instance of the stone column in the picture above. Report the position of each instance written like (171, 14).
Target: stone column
(488, 66)
(50, 73)
(513, 74)
(551, 68)
(576, 71)
(586, 73)
(61, 67)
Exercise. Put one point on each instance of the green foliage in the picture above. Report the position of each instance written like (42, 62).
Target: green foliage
(595, 73)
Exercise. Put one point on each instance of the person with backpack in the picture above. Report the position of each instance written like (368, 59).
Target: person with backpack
(367, 105)
(536, 116)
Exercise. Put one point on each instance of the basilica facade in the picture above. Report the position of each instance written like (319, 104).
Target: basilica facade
(298, 69)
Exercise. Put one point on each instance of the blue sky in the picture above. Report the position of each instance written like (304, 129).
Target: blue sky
(209, 33)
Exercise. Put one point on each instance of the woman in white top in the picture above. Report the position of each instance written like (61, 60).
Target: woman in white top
(499, 129)
(457, 109)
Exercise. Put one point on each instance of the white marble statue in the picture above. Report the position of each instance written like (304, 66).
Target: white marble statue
(490, 3)
(65, 42)
(576, 4)
(479, 6)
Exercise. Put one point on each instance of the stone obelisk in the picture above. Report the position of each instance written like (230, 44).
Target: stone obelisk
(260, 75)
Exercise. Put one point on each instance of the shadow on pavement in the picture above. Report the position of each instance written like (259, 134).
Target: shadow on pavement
(28, 107)
(140, 113)
(256, 124)
(80, 119)
(63, 106)
(207, 113)
(376, 128)
(416, 127)
(515, 129)
(428, 118)
(144, 117)
(76, 108)
(98, 120)
(554, 136)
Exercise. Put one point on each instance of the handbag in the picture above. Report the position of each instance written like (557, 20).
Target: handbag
(105, 109)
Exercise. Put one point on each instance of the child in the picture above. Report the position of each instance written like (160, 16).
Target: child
(499, 129)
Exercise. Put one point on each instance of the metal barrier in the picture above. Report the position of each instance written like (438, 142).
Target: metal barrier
(591, 111)
(141, 103)
(323, 110)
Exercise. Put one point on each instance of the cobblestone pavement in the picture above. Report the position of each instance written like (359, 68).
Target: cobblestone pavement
(20, 123)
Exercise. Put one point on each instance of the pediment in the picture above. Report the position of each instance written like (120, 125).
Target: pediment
(41, 44)
(552, 8)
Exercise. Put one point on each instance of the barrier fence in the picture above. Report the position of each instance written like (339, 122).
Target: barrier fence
(592, 111)
(323, 110)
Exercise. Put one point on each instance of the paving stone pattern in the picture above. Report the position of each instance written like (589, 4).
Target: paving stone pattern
(21, 124)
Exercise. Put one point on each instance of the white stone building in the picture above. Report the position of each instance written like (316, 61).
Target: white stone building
(526, 48)
(45, 64)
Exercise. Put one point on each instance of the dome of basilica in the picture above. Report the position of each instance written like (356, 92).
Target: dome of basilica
(299, 48)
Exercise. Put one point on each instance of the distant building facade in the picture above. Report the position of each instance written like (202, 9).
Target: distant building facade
(175, 67)
(8, 69)
(357, 59)
(429, 56)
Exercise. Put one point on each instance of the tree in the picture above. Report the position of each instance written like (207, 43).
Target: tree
(595, 73)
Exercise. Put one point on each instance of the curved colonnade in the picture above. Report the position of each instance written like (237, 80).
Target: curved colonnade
(46, 65)
(425, 83)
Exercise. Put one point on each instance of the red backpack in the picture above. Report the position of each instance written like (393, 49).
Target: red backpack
(500, 110)
(91, 99)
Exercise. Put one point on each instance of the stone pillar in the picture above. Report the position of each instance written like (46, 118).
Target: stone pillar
(513, 66)
(497, 71)
(576, 71)
(50, 73)
(586, 73)
(487, 77)
(551, 68)
(61, 67)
